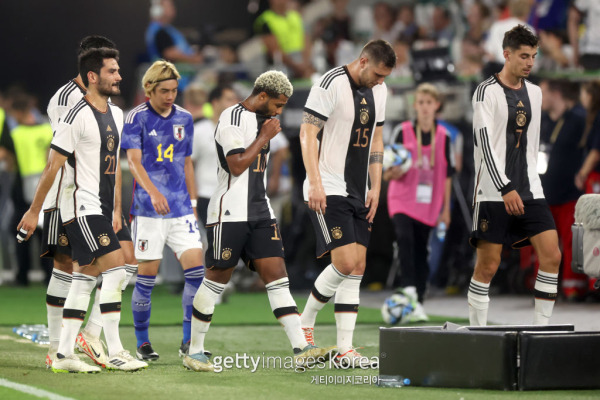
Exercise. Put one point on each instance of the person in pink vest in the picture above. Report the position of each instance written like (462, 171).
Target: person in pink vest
(419, 199)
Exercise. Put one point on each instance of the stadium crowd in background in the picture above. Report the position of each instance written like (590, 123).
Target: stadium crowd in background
(465, 35)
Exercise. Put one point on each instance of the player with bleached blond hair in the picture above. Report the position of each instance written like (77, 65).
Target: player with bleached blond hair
(240, 220)
(158, 136)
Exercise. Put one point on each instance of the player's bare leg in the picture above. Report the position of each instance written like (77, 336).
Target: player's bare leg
(546, 283)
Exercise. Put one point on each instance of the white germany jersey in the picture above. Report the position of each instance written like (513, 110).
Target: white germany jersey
(243, 197)
(62, 101)
(91, 140)
(351, 114)
(506, 135)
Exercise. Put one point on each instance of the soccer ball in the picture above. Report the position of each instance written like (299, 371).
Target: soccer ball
(396, 154)
(396, 309)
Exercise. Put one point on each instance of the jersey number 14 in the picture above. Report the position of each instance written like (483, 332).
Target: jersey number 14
(167, 154)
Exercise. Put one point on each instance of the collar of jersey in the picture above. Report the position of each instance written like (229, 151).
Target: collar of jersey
(157, 114)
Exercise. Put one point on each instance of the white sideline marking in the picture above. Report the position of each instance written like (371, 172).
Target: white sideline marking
(32, 390)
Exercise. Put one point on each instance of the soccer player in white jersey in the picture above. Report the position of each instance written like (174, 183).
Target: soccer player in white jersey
(89, 138)
(509, 204)
(158, 136)
(240, 220)
(54, 237)
(342, 148)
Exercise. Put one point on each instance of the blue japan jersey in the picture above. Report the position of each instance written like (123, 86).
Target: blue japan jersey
(165, 143)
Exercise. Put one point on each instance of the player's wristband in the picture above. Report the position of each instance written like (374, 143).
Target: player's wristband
(194, 203)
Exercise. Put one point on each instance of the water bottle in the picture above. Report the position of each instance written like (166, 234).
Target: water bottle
(392, 381)
(441, 231)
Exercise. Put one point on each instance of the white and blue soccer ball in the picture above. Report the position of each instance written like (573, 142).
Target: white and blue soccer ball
(396, 309)
(396, 154)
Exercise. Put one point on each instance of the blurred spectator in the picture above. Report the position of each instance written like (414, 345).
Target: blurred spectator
(419, 199)
(588, 177)
(386, 27)
(441, 22)
(31, 144)
(204, 151)
(408, 29)
(478, 22)
(519, 12)
(586, 50)
(165, 41)
(470, 62)
(402, 69)
(282, 32)
(562, 127)
(557, 53)
(549, 15)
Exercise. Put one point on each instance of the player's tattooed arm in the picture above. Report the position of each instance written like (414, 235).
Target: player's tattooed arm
(376, 158)
(312, 120)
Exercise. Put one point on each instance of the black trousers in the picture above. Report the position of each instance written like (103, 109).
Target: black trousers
(412, 237)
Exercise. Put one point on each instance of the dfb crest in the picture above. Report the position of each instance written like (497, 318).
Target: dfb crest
(178, 132)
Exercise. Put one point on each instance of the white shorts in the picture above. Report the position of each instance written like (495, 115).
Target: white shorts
(150, 235)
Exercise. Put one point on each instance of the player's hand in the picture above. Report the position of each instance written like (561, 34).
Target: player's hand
(372, 203)
(445, 217)
(580, 181)
(271, 128)
(27, 225)
(317, 200)
(117, 222)
(160, 204)
(513, 203)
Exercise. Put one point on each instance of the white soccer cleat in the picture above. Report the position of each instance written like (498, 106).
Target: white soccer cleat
(198, 362)
(92, 346)
(309, 335)
(124, 361)
(353, 359)
(418, 315)
(73, 364)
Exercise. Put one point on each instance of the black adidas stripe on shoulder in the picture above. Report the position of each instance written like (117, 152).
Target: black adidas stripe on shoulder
(236, 115)
(330, 76)
(74, 111)
(483, 86)
(63, 97)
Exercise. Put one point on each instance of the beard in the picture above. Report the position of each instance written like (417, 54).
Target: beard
(107, 89)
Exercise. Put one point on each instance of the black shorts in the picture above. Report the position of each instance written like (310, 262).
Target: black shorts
(344, 222)
(492, 223)
(253, 240)
(54, 235)
(124, 235)
(91, 236)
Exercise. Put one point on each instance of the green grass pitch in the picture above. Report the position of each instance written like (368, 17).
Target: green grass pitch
(245, 325)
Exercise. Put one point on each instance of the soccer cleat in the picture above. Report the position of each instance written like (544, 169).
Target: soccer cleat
(184, 349)
(353, 359)
(198, 362)
(309, 335)
(92, 346)
(146, 352)
(310, 355)
(418, 315)
(73, 364)
(124, 361)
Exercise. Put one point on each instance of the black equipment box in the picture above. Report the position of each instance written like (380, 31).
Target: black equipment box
(516, 357)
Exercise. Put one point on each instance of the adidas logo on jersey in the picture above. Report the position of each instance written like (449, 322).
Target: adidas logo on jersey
(153, 133)
(363, 101)
(227, 212)
(108, 129)
(82, 208)
(520, 104)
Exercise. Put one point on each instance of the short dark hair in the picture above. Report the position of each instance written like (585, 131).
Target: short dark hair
(380, 51)
(217, 92)
(519, 36)
(95, 42)
(93, 60)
